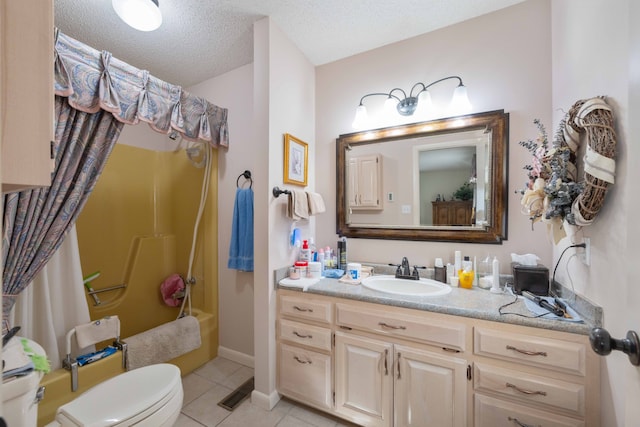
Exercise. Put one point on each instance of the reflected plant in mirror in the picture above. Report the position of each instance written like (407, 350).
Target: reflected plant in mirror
(440, 180)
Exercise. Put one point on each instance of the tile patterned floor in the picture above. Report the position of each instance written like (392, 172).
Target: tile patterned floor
(210, 383)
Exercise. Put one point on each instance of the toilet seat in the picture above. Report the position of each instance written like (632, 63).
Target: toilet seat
(127, 399)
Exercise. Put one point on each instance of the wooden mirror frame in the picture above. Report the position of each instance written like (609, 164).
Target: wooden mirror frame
(496, 121)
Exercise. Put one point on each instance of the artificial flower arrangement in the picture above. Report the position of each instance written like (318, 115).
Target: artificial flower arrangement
(551, 187)
(552, 193)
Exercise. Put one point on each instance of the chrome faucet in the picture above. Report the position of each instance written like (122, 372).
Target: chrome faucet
(406, 269)
(403, 270)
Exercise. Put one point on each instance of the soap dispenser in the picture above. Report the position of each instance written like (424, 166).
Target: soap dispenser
(305, 253)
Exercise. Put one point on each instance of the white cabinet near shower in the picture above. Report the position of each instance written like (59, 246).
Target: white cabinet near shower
(26, 93)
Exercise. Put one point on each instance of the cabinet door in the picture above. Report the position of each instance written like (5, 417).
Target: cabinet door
(305, 375)
(352, 185)
(430, 389)
(369, 181)
(27, 95)
(364, 382)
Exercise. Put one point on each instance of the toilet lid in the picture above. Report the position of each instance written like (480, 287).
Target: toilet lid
(122, 397)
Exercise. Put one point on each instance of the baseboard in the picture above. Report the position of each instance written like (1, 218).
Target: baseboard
(264, 401)
(236, 356)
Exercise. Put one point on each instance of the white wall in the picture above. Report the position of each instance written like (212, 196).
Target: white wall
(596, 52)
(504, 59)
(234, 91)
(284, 100)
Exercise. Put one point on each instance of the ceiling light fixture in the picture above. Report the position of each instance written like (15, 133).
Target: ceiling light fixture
(143, 15)
(407, 105)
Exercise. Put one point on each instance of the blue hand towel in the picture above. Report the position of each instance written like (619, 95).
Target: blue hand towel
(241, 247)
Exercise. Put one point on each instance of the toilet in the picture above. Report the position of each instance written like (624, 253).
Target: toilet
(148, 396)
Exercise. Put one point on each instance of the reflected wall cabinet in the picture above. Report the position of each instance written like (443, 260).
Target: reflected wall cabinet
(365, 182)
(454, 212)
(27, 93)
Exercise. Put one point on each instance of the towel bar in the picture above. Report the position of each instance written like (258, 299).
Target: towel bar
(277, 192)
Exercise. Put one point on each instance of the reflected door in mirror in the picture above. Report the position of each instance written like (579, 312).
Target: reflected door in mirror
(454, 212)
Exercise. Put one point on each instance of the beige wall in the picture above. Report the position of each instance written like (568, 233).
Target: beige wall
(504, 59)
(284, 100)
(596, 52)
(234, 91)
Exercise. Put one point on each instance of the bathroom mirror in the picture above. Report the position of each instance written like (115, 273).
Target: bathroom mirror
(439, 180)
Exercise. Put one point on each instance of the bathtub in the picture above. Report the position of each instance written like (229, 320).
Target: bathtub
(58, 383)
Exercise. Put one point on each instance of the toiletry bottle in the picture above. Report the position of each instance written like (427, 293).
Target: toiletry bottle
(321, 260)
(457, 263)
(342, 253)
(313, 253)
(304, 252)
(466, 274)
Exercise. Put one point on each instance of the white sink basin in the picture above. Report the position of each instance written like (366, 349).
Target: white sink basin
(391, 285)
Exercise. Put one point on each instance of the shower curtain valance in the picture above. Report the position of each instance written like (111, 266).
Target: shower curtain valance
(93, 80)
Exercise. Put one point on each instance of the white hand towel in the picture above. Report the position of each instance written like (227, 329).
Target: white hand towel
(316, 203)
(298, 207)
(98, 330)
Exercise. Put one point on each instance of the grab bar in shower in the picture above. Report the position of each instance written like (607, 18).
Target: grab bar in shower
(93, 292)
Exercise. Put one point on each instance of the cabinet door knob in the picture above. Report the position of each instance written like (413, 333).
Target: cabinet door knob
(602, 343)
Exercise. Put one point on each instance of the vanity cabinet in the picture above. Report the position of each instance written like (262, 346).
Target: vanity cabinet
(527, 376)
(365, 182)
(453, 212)
(27, 93)
(382, 366)
(399, 369)
(305, 350)
(383, 384)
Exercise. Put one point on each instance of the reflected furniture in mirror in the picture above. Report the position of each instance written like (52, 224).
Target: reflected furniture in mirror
(439, 180)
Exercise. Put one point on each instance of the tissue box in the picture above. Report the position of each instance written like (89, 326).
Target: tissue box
(532, 278)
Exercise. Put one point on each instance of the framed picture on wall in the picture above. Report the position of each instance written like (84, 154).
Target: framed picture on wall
(295, 160)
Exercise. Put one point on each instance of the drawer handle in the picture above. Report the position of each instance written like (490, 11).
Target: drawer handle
(302, 336)
(303, 309)
(304, 362)
(386, 325)
(515, 420)
(527, 352)
(525, 391)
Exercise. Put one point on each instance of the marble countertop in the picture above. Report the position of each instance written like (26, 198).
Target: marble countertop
(475, 303)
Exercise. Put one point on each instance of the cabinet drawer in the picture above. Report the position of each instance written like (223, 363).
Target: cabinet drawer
(530, 388)
(300, 333)
(306, 308)
(305, 375)
(491, 412)
(547, 353)
(436, 332)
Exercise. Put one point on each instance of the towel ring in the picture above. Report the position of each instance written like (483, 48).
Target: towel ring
(247, 175)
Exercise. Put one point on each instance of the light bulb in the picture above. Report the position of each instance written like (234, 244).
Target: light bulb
(425, 105)
(460, 102)
(143, 15)
(361, 118)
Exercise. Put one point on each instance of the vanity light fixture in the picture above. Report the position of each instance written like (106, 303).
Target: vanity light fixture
(143, 15)
(421, 100)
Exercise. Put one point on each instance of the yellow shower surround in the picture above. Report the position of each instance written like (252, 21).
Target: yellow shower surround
(145, 194)
(137, 229)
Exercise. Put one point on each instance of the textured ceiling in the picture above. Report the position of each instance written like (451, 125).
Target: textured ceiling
(200, 39)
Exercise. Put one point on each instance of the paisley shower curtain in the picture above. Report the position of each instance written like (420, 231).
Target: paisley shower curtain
(96, 94)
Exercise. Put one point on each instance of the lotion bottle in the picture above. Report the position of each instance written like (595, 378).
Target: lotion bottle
(305, 252)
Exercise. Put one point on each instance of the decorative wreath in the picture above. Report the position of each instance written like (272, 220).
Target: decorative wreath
(553, 194)
(595, 118)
